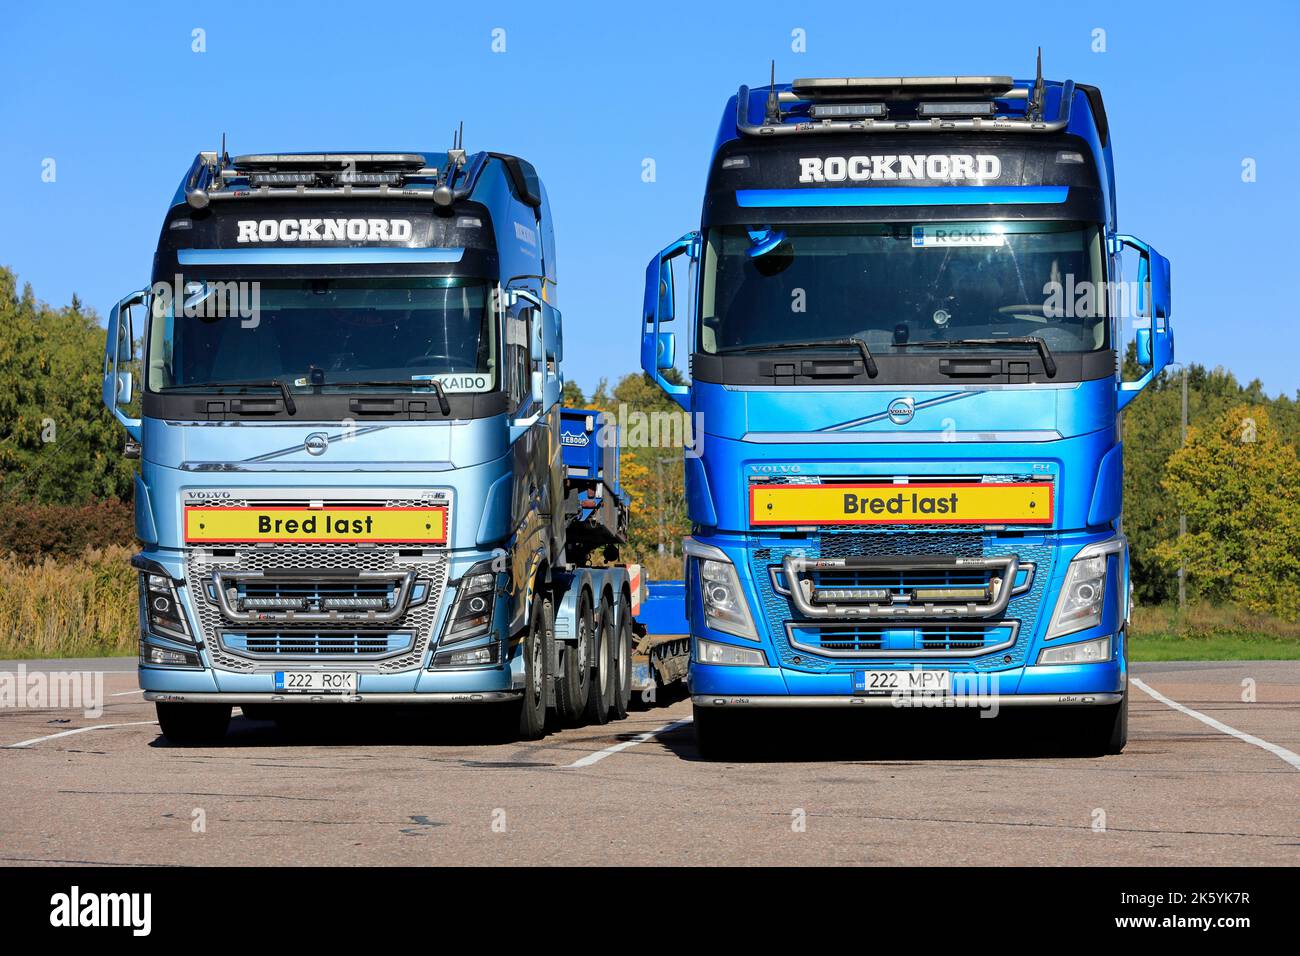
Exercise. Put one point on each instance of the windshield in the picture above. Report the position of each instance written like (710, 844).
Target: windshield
(899, 283)
(326, 332)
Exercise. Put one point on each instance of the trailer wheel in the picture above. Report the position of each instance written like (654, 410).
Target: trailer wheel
(573, 685)
(530, 711)
(600, 700)
(193, 725)
(623, 659)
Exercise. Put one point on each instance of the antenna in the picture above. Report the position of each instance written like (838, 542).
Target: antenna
(1036, 103)
(773, 114)
(225, 157)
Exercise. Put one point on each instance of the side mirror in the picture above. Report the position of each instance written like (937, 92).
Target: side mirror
(1144, 347)
(119, 341)
(667, 351)
(659, 306)
(1155, 340)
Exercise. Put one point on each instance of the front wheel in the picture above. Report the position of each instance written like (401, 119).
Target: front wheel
(716, 733)
(531, 709)
(193, 725)
(1102, 731)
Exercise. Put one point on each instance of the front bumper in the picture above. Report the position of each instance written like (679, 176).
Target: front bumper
(485, 697)
(841, 700)
(1103, 683)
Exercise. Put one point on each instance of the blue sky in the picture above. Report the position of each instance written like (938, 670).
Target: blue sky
(117, 97)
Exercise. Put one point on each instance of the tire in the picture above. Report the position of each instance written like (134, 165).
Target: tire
(623, 659)
(716, 733)
(193, 725)
(1095, 731)
(531, 709)
(600, 699)
(1109, 731)
(574, 680)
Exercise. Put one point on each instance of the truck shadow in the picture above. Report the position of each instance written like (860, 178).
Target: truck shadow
(390, 725)
(884, 735)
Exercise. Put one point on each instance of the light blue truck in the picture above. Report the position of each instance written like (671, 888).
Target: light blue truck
(357, 483)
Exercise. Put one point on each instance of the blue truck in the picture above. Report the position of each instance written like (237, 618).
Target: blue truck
(905, 311)
(357, 483)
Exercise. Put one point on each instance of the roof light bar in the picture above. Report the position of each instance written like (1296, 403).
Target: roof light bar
(844, 110)
(985, 108)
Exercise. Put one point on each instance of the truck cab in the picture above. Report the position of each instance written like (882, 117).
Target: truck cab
(352, 486)
(905, 319)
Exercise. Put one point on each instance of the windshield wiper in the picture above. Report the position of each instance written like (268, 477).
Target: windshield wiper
(1049, 363)
(444, 406)
(852, 342)
(290, 405)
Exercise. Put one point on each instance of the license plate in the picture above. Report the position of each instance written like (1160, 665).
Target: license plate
(287, 525)
(902, 682)
(315, 682)
(1028, 502)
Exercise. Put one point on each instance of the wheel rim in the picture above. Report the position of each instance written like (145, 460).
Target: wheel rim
(605, 660)
(536, 655)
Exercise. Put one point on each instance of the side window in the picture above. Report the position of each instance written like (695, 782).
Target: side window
(518, 358)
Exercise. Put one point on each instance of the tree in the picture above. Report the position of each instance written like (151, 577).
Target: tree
(1239, 483)
(58, 444)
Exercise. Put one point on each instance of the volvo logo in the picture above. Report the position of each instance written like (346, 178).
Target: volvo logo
(316, 443)
(901, 411)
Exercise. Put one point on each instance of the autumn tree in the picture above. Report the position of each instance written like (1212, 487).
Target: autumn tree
(1238, 481)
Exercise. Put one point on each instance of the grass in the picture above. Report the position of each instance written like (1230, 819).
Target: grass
(80, 607)
(86, 607)
(1205, 632)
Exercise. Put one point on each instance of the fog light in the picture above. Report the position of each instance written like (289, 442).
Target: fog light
(166, 657)
(1085, 652)
(711, 652)
(474, 657)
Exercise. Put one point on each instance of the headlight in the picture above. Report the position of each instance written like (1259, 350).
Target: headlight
(1085, 652)
(162, 607)
(1083, 595)
(471, 614)
(711, 652)
(724, 604)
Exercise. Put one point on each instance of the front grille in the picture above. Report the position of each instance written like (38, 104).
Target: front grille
(313, 573)
(318, 645)
(867, 640)
(971, 643)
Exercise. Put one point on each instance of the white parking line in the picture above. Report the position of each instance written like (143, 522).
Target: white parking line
(600, 755)
(128, 693)
(68, 733)
(1291, 758)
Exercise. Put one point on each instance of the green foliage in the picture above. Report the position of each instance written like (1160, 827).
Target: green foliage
(1238, 481)
(1152, 432)
(651, 468)
(57, 441)
(31, 532)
